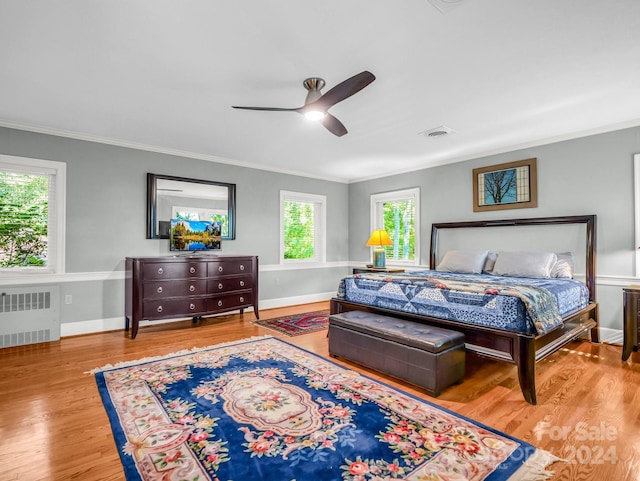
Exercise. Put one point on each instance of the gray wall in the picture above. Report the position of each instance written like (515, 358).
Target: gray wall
(106, 213)
(589, 175)
(106, 220)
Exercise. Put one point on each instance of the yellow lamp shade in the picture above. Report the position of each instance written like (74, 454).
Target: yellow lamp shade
(379, 237)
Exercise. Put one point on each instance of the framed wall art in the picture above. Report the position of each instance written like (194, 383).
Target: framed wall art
(505, 186)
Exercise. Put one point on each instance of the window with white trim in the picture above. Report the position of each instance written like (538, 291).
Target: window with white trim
(32, 215)
(302, 227)
(398, 214)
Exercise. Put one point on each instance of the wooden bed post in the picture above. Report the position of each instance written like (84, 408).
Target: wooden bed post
(526, 362)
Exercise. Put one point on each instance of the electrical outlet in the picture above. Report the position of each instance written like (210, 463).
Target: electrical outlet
(68, 299)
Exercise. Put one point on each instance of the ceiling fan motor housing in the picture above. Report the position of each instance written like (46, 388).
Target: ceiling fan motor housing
(313, 85)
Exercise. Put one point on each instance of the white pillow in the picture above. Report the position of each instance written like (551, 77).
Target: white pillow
(467, 262)
(524, 264)
(564, 265)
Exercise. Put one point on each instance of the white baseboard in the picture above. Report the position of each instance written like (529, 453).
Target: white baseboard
(90, 327)
(117, 323)
(611, 336)
(295, 300)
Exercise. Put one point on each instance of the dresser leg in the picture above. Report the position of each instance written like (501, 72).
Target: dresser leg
(134, 328)
(630, 339)
(630, 343)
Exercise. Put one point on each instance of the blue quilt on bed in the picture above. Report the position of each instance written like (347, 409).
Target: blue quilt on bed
(510, 303)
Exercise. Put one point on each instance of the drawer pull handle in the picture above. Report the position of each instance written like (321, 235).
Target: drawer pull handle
(159, 290)
(159, 309)
(220, 286)
(160, 270)
(241, 267)
(241, 283)
(192, 269)
(192, 306)
(192, 288)
(241, 299)
(220, 268)
(219, 303)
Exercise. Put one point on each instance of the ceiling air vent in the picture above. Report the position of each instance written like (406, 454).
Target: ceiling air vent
(438, 132)
(445, 6)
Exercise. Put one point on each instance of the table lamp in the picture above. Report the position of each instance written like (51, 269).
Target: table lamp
(379, 238)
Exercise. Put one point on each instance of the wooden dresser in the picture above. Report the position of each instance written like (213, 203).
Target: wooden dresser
(188, 286)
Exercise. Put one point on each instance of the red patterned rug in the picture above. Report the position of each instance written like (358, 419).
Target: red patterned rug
(297, 324)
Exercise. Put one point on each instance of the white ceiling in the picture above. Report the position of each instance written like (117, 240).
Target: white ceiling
(162, 75)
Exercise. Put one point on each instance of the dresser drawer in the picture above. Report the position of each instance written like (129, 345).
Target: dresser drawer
(226, 284)
(174, 270)
(230, 301)
(164, 289)
(229, 267)
(157, 309)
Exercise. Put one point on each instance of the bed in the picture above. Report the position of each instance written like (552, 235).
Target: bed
(506, 317)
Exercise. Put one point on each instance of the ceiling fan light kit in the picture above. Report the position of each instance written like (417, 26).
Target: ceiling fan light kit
(317, 105)
(314, 115)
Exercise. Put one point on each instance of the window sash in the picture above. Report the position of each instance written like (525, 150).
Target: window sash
(406, 243)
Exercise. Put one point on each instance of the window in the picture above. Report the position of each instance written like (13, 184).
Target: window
(32, 194)
(302, 227)
(398, 213)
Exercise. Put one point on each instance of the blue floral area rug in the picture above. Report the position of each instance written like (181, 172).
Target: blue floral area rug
(262, 409)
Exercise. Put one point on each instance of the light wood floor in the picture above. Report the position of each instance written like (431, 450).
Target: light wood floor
(53, 425)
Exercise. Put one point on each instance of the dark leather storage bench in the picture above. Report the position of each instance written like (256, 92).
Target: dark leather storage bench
(427, 356)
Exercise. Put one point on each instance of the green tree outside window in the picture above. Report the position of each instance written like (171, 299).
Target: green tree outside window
(23, 219)
(298, 230)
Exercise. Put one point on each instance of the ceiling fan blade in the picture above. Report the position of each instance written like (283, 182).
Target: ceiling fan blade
(271, 109)
(345, 89)
(333, 125)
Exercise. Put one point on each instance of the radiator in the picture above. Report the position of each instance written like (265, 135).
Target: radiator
(29, 315)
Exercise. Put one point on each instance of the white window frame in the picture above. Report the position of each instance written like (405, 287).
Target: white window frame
(319, 225)
(377, 221)
(57, 172)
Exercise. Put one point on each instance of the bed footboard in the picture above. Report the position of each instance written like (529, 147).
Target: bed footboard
(512, 347)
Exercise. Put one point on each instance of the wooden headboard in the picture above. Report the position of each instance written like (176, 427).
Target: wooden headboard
(588, 220)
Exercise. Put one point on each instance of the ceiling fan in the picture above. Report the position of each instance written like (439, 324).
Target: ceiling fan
(316, 105)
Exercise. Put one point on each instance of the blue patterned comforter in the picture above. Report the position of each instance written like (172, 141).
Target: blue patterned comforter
(531, 306)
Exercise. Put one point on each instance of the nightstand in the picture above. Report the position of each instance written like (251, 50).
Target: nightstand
(364, 270)
(631, 299)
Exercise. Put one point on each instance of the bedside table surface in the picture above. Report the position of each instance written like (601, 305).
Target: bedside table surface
(357, 270)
